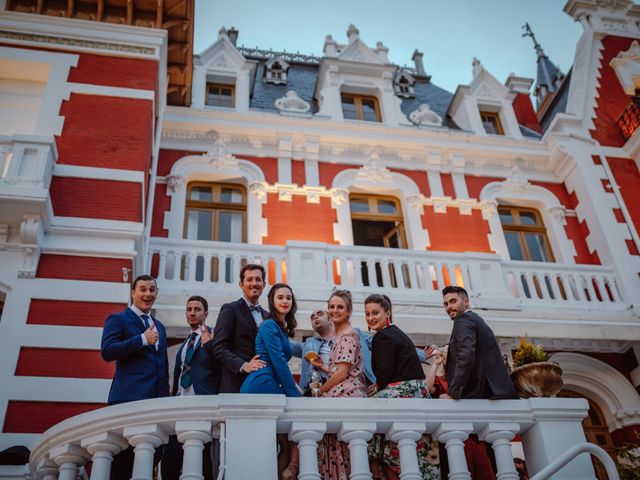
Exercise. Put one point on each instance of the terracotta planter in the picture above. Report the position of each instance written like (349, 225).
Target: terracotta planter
(540, 379)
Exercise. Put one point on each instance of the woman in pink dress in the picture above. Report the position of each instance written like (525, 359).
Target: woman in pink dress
(346, 380)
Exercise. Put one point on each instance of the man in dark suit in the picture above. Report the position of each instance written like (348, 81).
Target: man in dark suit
(137, 342)
(195, 373)
(234, 336)
(474, 367)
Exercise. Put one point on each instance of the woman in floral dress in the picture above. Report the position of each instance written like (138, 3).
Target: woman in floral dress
(398, 374)
(346, 380)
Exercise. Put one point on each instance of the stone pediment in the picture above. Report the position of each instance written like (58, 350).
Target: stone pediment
(359, 52)
(221, 54)
(485, 86)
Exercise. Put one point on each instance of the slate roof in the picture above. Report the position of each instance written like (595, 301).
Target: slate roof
(558, 103)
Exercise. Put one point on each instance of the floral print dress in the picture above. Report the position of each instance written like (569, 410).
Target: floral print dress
(333, 455)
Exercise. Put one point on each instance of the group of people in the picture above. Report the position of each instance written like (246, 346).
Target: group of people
(249, 350)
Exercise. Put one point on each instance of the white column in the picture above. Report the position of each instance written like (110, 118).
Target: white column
(500, 436)
(102, 448)
(453, 436)
(193, 435)
(144, 439)
(358, 434)
(406, 435)
(553, 434)
(47, 470)
(68, 458)
(307, 435)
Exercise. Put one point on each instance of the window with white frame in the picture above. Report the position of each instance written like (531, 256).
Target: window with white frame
(525, 234)
(403, 85)
(275, 71)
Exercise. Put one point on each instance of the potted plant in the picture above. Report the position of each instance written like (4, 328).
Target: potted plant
(533, 374)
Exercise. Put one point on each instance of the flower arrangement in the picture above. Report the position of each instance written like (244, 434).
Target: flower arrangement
(528, 352)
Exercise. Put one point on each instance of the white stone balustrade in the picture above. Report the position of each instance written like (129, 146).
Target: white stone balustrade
(548, 428)
(26, 164)
(414, 277)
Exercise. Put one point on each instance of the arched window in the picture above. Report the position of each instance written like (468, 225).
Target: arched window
(525, 234)
(216, 211)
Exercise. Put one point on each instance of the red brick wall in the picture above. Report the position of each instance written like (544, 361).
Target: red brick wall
(115, 72)
(161, 205)
(70, 313)
(328, 171)
(71, 267)
(476, 184)
(526, 115)
(447, 185)
(298, 174)
(269, 166)
(93, 198)
(611, 99)
(419, 177)
(107, 132)
(626, 174)
(36, 417)
(453, 232)
(298, 220)
(166, 159)
(62, 362)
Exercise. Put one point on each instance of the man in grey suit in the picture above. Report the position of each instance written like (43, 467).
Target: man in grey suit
(474, 367)
(234, 336)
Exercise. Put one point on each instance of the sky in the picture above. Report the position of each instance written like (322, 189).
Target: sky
(450, 33)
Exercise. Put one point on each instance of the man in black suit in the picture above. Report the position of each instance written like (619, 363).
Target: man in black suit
(234, 336)
(474, 367)
(195, 373)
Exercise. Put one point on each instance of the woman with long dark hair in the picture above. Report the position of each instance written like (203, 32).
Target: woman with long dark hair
(272, 344)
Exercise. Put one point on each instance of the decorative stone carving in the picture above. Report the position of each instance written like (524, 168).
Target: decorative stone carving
(485, 92)
(29, 229)
(314, 193)
(489, 209)
(339, 196)
(292, 103)
(627, 414)
(627, 68)
(285, 192)
(219, 157)
(516, 182)
(275, 71)
(258, 190)
(174, 183)
(415, 202)
(374, 172)
(558, 212)
(425, 116)
(612, 4)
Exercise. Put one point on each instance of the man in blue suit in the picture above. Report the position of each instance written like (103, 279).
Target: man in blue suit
(137, 342)
(196, 373)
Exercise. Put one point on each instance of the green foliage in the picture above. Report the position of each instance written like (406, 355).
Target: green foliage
(528, 352)
(629, 459)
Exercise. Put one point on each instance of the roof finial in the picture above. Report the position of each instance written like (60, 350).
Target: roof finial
(529, 33)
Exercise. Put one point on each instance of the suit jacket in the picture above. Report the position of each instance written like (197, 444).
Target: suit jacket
(394, 357)
(234, 343)
(475, 368)
(204, 369)
(142, 372)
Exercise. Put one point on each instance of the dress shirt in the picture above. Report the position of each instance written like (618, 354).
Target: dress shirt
(257, 314)
(183, 354)
(139, 313)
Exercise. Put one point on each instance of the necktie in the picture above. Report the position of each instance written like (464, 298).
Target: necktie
(145, 319)
(185, 376)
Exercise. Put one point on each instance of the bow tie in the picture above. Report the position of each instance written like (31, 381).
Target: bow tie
(255, 308)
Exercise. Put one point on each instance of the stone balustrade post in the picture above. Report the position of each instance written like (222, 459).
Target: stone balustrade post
(144, 439)
(251, 434)
(47, 470)
(68, 458)
(102, 448)
(406, 435)
(453, 436)
(500, 436)
(307, 435)
(193, 435)
(358, 434)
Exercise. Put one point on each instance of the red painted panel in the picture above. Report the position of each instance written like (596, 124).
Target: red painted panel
(268, 165)
(162, 204)
(569, 200)
(476, 184)
(36, 417)
(611, 98)
(447, 185)
(298, 220)
(631, 246)
(625, 171)
(443, 228)
(596, 159)
(70, 313)
(298, 174)
(71, 267)
(92, 198)
(578, 233)
(419, 177)
(166, 159)
(328, 171)
(526, 115)
(62, 362)
(624, 436)
(115, 72)
(107, 132)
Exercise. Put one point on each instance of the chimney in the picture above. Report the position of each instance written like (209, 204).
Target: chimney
(233, 35)
(417, 59)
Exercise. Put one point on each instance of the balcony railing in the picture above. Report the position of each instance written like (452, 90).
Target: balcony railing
(629, 121)
(26, 164)
(412, 276)
(547, 427)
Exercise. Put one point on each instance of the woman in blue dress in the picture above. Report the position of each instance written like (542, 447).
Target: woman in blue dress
(272, 344)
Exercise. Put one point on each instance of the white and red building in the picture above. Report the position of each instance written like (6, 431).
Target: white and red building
(120, 153)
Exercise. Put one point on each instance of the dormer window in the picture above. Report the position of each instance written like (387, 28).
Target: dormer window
(275, 71)
(360, 107)
(403, 85)
(491, 123)
(220, 95)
